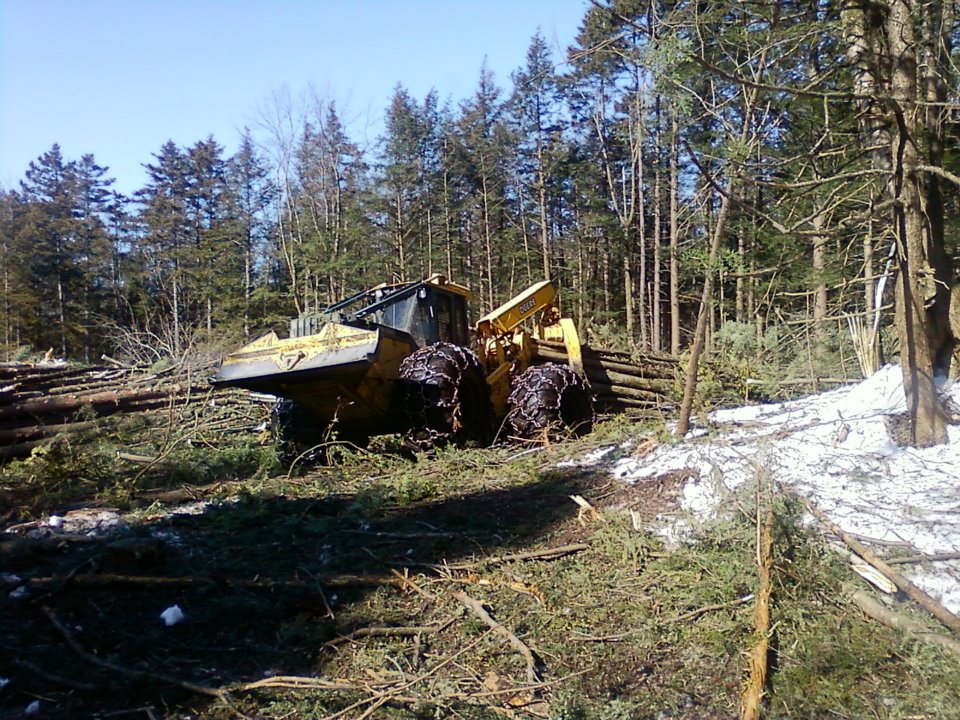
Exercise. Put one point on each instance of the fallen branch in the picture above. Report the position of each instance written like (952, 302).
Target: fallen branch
(138, 459)
(875, 610)
(586, 509)
(407, 631)
(879, 541)
(476, 607)
(404, 578)
(378, 698)
(546, 554)
(911, 590)
(936, 557)
(100, 401)
(300, 682)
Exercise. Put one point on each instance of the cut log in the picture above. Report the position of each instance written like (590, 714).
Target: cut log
(627, 392)
(590, 361)
(67, 403)
(605, 377)
(613, 401)
(40, 372)
(648, 359)
(36, 432)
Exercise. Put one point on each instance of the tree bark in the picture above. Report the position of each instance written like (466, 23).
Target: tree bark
(916, 278)
(674, 241)
(706, 301)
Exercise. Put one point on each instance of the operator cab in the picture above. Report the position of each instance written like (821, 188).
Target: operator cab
(430, 315)
(430, 311)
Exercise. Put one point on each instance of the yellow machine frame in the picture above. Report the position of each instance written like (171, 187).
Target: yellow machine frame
(505, 348)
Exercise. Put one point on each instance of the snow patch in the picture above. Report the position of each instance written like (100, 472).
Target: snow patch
(172, 615)
(89, 522)
(589, 458)
(834, 448)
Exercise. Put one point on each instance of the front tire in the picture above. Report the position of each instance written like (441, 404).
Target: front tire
(549, 402)
(295, 429)
(445, 397)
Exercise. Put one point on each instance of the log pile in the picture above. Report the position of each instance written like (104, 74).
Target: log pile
(621, 382)
(43, 400)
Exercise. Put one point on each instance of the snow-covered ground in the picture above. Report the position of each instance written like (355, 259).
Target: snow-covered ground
(834, 448)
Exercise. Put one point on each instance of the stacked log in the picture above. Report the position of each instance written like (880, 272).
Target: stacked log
(40, 401)
(638, 384)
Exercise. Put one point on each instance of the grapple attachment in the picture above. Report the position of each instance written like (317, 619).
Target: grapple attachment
(342, 372)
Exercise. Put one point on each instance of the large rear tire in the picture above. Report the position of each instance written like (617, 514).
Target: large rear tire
(549, 402)
(445, 397)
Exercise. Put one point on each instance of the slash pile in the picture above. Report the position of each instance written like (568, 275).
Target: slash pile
(41, 400)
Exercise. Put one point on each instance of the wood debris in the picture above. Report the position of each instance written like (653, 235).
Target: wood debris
(39, 402)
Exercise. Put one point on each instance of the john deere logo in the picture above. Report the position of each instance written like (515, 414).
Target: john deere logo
(287, 361)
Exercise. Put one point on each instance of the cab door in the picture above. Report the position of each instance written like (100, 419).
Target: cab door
(451, 318)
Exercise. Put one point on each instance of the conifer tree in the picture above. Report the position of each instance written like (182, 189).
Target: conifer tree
(485, 148)
(164, 248)
(252, 193)
(537, 117)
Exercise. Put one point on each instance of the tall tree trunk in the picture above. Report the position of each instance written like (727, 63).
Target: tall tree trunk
(247, 285)
(61, 311)
(820, 297)
(7, 323)
(674, 240)
(628, 287)
(398, 238)
(544, 225)
(706, 309)
(447, 223)
(525, 233)
(488, 241)
(429, 241)
(580, 289)
(605, 275)
(656, 333)
(869, 291)
(176, 314)
(915, 280)
(740, 301)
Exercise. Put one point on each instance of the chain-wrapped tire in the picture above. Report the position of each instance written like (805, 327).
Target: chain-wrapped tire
(295, 429)
(445, 397)
(549, 401)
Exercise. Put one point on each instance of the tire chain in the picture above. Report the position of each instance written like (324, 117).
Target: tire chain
(293, 429)
(432, 376)
(547, 384)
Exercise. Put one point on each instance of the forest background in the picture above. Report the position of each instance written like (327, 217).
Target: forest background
(767, 161)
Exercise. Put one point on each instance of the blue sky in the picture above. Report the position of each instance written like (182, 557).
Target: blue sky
(118, 78)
